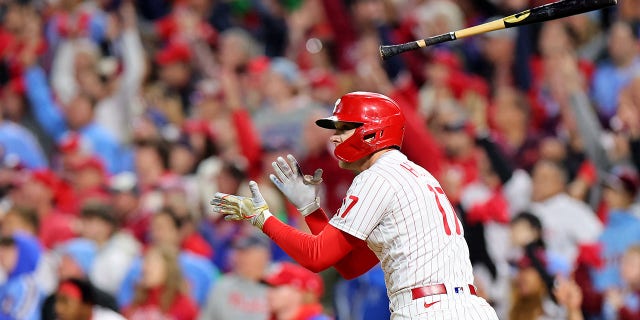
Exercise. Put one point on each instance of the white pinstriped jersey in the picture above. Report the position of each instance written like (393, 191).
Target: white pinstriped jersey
(402, 213)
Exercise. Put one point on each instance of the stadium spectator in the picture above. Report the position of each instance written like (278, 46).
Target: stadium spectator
(20, 295)
(239, 294)
(558, 211)
(161, 291)
(75, 301)
(294, 293)
(621, 229)
(116, 248)
(622, 302)
(612, 75)
(76, 260)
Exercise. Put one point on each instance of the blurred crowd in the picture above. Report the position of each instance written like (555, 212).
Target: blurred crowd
(120, 119)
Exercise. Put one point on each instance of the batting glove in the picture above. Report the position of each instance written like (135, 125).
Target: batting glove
(301, 190)
(235, 208)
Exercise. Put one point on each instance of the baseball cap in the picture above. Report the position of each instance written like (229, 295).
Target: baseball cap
(46, 177)
(286, 68)
(173, 53)
(252, 240)
(72, 142)
(287, 273)
(124, 182)
(89, 163)
(623, 179)
(81, 251)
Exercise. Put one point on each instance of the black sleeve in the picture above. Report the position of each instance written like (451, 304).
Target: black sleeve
(634, 145)
(105, 300)
(497, 159)
(48, 308)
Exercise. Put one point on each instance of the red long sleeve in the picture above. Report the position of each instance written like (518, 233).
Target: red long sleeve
(317, 221)
(356, 262)
(314, 252)
(248, 139)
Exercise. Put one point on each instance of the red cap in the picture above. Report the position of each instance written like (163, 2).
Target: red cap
(195, 126)
(286, 273)
(88, 163)
(71, 142)
(258, 65)
(174, 52)
(446, 58)
(17, 85)
(70, 290)
(46, 177)
(322, 79)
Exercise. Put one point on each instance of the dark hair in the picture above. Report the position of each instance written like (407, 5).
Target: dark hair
(161, 148)
(237, 169)
(87, 291)
(562, 168)
(7, 241)
(102, 211)
(178, 221)
(534, 222)
(28, 215)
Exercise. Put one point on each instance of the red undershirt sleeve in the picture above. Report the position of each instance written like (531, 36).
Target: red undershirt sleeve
(316, 221)
(356, 262)
(314, 252)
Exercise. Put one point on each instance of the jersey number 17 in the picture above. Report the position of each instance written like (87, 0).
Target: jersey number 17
(437, 194)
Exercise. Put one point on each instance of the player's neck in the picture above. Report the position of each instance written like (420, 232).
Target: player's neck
(369, 161)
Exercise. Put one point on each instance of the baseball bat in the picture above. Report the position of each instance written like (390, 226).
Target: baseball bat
(551, 11)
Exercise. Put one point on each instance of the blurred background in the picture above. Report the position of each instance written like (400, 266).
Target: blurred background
(120, 119)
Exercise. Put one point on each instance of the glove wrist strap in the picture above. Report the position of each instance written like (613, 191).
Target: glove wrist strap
(311, 207)
(261, 218)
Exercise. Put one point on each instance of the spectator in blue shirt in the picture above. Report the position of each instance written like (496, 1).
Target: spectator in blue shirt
(20, 296)
(613, 74)
(77, 116)
(622, 229)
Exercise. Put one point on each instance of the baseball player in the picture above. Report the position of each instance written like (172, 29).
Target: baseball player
(395, 212)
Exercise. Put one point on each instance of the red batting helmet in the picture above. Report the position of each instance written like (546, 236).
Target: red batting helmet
(379, 120)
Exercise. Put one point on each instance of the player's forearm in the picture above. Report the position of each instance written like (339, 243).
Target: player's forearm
(354, 264)
(314, 252)
(317, 221)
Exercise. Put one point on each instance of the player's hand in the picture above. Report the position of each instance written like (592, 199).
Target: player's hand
(301, 190)
(232, 207)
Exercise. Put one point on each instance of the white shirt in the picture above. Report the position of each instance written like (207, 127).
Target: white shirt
(99, 313)
(567, 223)
(399, 209)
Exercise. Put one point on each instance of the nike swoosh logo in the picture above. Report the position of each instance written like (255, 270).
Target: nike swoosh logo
(427, 305)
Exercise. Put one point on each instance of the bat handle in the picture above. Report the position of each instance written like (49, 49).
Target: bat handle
(392, 50)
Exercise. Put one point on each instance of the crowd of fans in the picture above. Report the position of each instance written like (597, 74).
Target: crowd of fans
(120, 119)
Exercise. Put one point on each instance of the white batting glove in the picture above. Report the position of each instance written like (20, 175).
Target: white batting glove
(237, 208)
(301, 190)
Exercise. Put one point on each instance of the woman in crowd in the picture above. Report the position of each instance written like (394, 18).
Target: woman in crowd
(161, 292)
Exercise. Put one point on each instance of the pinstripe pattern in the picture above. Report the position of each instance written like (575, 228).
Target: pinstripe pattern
(398, 216)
